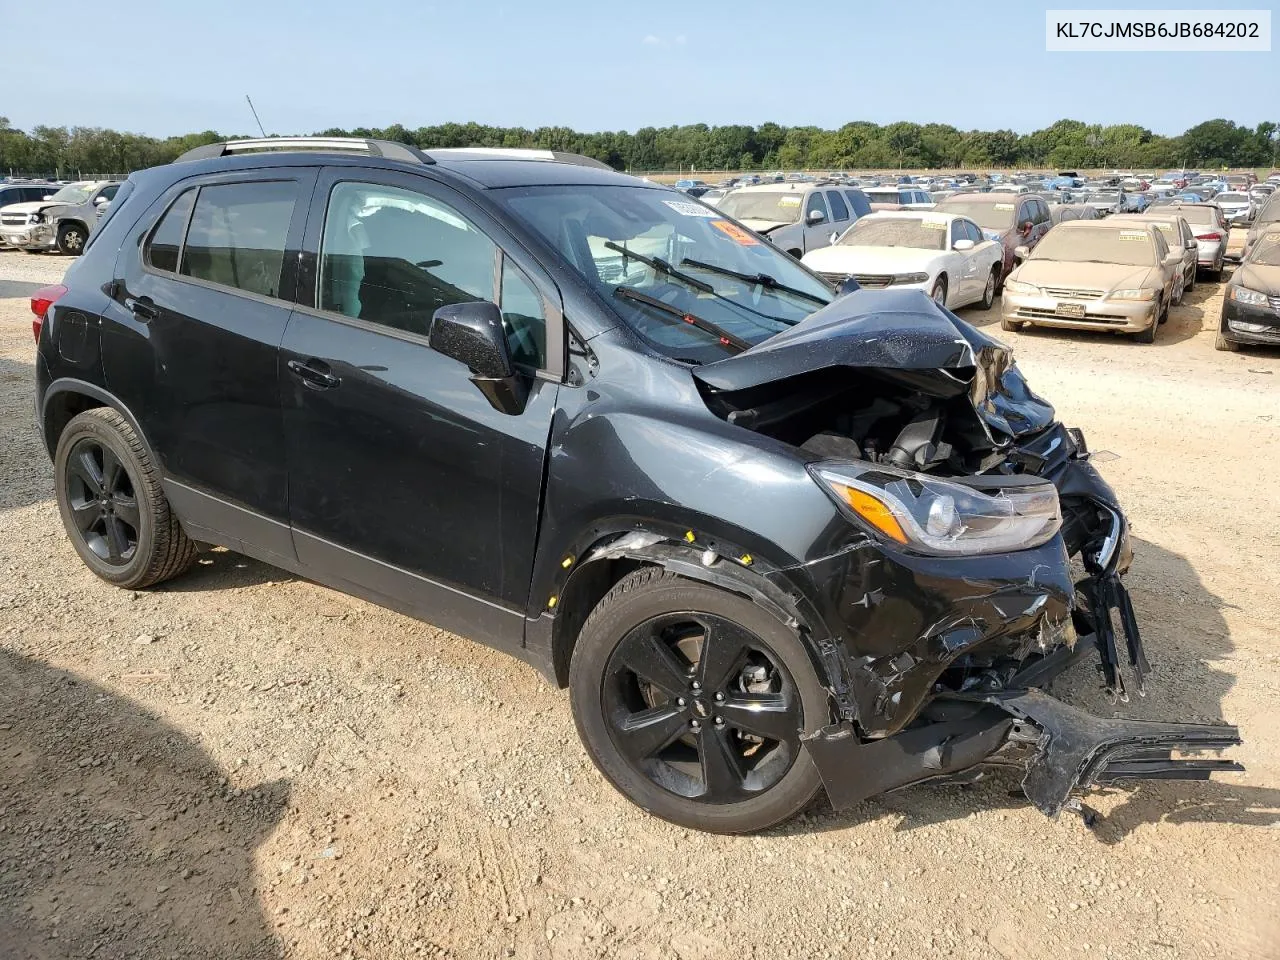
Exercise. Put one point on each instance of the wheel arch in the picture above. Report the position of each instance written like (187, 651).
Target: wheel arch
(73, 222)
(66, 398)
(705, 560)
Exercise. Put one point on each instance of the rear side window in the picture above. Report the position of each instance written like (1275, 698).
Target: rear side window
(838, 210)
(858, 202)
(238, 233)
(164, 245)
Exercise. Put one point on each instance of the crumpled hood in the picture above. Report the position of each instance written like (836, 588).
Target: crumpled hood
(870, 259)
(904, 336)
(764, 226)
(30, 206)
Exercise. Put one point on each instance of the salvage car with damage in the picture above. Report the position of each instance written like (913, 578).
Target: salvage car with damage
(774, 536)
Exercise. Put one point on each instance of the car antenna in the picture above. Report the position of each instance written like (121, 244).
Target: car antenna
(255, 116)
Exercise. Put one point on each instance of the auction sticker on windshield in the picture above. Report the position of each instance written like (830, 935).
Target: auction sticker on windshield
(788, 201)
(735, 233)
(933, 223)
(1131, 235)
(690, 209)
(1002, 206)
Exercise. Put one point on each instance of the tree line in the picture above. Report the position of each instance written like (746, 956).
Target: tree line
(74, 151)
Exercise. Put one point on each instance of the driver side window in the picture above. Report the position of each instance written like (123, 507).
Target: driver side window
(392, 257)
(815, 202)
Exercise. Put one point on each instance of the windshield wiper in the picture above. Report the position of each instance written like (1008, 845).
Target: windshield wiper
(726, 338)
(659, 265)
(758, 279)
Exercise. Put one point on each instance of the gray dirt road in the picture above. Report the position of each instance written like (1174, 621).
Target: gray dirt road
(244, 764)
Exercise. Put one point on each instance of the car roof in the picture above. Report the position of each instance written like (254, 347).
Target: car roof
(1003, 196)
(787, 186)
(1095, 224)
(912, 215)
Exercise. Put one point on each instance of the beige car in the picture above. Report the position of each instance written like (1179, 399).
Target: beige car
(1094, 275)
(1181, 239)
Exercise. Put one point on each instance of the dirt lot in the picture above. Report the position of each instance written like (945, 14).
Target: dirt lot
(243, 764)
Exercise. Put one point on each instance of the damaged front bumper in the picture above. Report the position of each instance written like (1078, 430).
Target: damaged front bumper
(1063, 749)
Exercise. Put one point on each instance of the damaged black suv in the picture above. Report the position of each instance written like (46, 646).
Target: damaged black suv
(773, 536)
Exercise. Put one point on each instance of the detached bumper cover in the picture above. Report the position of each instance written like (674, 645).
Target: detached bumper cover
(1063, 749)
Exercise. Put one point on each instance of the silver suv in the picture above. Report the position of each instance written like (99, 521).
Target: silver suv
(61, 222)
(797, 216)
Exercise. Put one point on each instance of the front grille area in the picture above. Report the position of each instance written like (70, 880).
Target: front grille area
(14, 220)
(1065, 293)
(836, 278)
(1039, 313)
(1275, 303)
(873, 280)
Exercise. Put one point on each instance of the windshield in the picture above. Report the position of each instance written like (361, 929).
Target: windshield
(1131, 246)
(921, 232)
(604, 231)
(74, 193)
(1232, 198)
(775, 206)
(989, 216)
(1104, 196)
(1267, 251)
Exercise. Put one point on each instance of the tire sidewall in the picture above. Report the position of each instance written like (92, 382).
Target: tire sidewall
(87, 426)
(62, 244)
(586, 676)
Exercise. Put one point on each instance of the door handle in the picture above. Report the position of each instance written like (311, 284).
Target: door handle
(144, 308)
(314, 374)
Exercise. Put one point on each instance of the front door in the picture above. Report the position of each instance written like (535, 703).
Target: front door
(404, 481)
(203, 291)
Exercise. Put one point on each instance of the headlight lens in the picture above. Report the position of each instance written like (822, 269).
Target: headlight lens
(910, 277)
(1245, 295)
(935, 516)
(35, 218)
(1017, 286)
(1133, 293)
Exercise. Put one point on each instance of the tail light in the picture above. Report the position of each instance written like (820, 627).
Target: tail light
(1208, 236)
(41, 301)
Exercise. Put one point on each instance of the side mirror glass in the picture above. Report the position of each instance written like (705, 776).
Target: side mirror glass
(1173, 259)
(816, 216)
(99, 201)
(472, 333)
(965, 244)
(1020, 253)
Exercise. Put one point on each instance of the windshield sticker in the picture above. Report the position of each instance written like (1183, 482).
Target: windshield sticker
(1002, 206)
(736, 233)
(1131, 235)
(690, 209)
(933, 223)
(788, 201)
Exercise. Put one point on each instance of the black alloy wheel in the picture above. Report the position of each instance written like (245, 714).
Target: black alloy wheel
(702, 707)
(103, 504)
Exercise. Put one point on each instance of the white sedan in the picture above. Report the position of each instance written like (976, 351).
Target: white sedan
(944, 254)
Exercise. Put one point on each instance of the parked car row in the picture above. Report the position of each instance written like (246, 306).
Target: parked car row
(58, 218)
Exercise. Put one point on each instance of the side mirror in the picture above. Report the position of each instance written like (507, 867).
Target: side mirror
(1025, 228)
(1173, 259)
(99, 201)
(816, 216)
(965, 244)
(472, 333)
(1020, 253)
(47, 196)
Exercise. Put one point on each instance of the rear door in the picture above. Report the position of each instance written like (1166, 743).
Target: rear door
(839, 215)
(202, 295)
(404, 480)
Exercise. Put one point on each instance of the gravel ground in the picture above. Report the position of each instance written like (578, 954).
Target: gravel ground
(244, 764)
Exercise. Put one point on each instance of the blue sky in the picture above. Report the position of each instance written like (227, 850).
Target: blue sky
(168, 66)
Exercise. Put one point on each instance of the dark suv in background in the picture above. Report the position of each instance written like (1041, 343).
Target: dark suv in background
(772, 537)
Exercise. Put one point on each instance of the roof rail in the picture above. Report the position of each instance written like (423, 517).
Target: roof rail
(522, 153)
(374, 148)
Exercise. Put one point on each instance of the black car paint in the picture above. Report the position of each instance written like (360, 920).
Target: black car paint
(613, 441)
(1264, 279)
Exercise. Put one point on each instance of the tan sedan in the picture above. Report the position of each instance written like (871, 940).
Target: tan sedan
(1094, 275)
(1181, 239)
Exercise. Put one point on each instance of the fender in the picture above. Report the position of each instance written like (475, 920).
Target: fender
(64, 385)
(551, 637)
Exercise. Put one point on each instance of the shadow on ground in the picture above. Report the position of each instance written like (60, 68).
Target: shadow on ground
(1188, 643)
(18, 289)
(120, 840)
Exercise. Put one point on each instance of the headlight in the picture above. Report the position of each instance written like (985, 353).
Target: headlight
(935, 516)
(1017, 286)
(35, 218)
(910, 277)
(1133, 294)
(1245, 295)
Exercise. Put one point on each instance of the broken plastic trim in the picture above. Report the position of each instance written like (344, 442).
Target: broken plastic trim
(1062, 748)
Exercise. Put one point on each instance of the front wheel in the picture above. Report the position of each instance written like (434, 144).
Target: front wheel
(691, 701)
(939, 292)
(71, 239)
(1222, 343)
(989, 292)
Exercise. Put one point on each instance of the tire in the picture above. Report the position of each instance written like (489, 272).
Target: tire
(71, 239)
(989, 294)
(1191, 284)
(1009, 326)
(118, 520)
(636, 623)
(939, 291)
(1222, 343)
(1149, 335)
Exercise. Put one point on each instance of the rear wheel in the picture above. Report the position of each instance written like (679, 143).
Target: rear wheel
(691, 701)
(113, 506)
